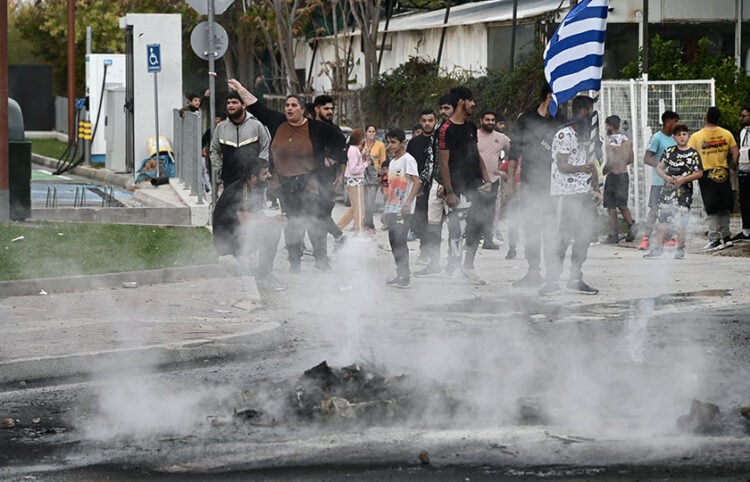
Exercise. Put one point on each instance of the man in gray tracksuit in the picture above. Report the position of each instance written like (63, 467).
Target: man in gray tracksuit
(239, 137)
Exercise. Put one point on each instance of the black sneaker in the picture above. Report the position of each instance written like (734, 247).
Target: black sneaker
(611, 239)
(511, 254)
(654, 253)
(727, 242)
(532, 279)
(428, 270)
(632, 232)
(741, 236)
(580, 286)
(550, 288)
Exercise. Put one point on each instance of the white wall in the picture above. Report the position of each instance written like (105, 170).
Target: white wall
(166, 30)
(465, 48)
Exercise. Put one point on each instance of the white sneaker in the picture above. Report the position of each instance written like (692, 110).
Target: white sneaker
(713, 245)
(473, 278)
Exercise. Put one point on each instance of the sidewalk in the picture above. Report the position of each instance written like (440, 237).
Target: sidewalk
(98, 330)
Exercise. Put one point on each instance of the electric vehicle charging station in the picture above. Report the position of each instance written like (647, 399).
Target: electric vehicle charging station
(144, 29)
(103, 72)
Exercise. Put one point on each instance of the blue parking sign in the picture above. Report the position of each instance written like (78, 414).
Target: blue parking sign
(153, 57)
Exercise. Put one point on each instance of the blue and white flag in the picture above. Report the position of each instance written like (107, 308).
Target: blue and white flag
(574, 55)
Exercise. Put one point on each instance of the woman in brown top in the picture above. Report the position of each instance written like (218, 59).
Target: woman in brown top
(298, 150)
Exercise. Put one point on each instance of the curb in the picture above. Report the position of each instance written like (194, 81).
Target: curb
(110, 280)
(29, 369)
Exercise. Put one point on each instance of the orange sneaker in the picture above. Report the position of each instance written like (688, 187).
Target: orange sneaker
(644, 244)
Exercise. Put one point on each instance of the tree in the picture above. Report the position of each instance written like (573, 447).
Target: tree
(367, 16)
(43, 24)
(669, 62)
(335, 15)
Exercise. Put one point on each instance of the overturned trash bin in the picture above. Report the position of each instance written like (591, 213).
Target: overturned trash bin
(19, 165)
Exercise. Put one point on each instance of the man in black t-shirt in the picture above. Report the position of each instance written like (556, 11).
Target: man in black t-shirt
(421, 148)
(462, 172)
(532, 136)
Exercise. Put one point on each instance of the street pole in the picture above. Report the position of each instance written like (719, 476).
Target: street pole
(156, 118)
(4, 149)
(71, 67)
(211, 88)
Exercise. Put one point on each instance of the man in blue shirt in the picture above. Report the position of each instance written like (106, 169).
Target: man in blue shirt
(654, 151)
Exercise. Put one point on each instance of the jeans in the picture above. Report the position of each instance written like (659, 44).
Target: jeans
(306, 209)
(398, 230)
(576, 224)
(370, 194)
(540, 229)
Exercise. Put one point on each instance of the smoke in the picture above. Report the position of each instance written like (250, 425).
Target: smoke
(500, 358)
(139, 406)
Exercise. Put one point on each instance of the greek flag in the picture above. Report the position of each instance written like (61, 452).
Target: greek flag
(575, 53)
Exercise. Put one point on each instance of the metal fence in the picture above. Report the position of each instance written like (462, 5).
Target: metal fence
(189, 163)
(640, 105)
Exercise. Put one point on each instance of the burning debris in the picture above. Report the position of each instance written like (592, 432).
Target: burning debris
(356, 393)
(706, 419)
(360, 392)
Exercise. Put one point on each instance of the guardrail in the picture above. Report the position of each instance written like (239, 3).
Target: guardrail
(189, 163)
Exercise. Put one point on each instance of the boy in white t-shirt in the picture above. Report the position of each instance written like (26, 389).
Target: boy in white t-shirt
(403, 184)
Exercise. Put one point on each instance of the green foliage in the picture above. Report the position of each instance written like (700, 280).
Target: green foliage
(667, 62)
(64, 249)
(396, 97)
(510, 93)
(43, 24)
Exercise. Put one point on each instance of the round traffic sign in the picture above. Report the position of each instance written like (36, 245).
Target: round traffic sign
(199, 40)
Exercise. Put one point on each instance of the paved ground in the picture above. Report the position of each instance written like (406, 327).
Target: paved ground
(59, 333)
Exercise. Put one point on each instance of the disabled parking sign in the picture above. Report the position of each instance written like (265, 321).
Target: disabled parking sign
(153, 57)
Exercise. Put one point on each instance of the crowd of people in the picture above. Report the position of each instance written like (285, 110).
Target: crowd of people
(542, 176)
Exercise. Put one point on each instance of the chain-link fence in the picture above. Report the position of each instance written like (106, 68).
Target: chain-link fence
(640, 105)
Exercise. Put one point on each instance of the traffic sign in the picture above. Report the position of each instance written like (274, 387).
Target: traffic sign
(199, 40)
(201, 6)
(153, 57)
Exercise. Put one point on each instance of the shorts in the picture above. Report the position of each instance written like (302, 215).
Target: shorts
(676, 216)
(653, 196)
(616, 190)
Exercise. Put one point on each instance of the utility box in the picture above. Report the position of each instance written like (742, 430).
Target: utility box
(114, 129)
(103, 72)
(19, 165)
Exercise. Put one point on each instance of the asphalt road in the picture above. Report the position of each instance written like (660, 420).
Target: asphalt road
(607, 377)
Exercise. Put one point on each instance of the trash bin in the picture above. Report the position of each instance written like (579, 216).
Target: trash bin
(19, 165)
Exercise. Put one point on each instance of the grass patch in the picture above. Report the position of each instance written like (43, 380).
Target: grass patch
(48, 147)
(65, 249)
